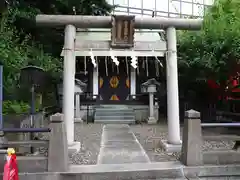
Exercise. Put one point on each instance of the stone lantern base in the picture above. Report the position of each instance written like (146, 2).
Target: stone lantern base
(78, 120)
(152, 120)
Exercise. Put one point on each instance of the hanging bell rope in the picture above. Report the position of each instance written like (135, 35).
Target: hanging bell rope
(137, 68)
(160, 63)
(96, 62)
(143, 64)
(93, 59)
(155, 62)
(106, 65)
(117, 69)
(112, 67)
(146, 60)
(127, 68)
(157, 68)
(85, 65)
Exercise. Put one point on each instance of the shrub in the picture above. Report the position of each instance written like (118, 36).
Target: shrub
(15, 107)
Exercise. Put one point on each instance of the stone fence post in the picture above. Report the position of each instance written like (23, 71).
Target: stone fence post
(192, 139)
(58, 148)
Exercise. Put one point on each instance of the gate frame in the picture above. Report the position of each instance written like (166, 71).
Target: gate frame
(71, 22)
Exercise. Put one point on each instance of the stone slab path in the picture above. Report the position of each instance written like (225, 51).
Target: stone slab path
(119, 145)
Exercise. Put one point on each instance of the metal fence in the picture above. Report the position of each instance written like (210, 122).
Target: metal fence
(221, 111)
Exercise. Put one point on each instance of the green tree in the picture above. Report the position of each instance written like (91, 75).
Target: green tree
(52, 38)
(213, 51)
(21, 42)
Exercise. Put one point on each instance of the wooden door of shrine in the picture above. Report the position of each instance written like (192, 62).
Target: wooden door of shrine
(114, 88)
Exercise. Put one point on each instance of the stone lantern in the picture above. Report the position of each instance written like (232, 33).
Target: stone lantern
(34, 78)
(80, 87)
(150, 87)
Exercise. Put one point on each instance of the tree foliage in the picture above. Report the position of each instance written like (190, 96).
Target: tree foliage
(215, 50)
(22, 43)
(52, 38)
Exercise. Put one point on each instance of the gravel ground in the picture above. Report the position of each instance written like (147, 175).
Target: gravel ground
(148, 135)
(90, 137)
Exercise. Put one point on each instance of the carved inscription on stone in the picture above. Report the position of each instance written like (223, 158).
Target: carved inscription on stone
(122, 31)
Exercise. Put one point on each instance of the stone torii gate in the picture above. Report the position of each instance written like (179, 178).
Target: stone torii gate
(71, 22)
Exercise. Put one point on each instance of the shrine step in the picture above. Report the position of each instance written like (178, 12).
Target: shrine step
(114, 110)
(114, 106)
(114, 115)
(135, 171)
(110, 117)
(114, 121)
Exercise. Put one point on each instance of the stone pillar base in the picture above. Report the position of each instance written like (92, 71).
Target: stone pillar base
(74, 148)
(170, 148)
(78, 120)
(151, 120)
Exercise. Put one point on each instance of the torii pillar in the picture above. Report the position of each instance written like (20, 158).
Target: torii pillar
(173, 143)
(69, 86)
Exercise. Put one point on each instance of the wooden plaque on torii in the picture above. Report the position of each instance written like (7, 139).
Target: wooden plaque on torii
(122, 32)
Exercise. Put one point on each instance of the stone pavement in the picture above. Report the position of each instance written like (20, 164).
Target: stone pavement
(148, 136)
(119, 145)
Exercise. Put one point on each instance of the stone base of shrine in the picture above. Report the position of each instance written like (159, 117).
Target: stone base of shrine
(74, 148)
(141, 112)
(170, 148)
(78, 120)
(152, 120)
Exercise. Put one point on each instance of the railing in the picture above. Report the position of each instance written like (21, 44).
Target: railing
(3, 151)
(57, 159)
(25, 130)
(192, 153)
(223, 116)
(220, 124)
(31, 142)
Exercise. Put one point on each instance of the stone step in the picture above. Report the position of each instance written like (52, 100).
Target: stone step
(137, 171)
(119, 145)
(114, 113)
(115, 121)
(112, 117)
(112, 110)
(113, 107)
